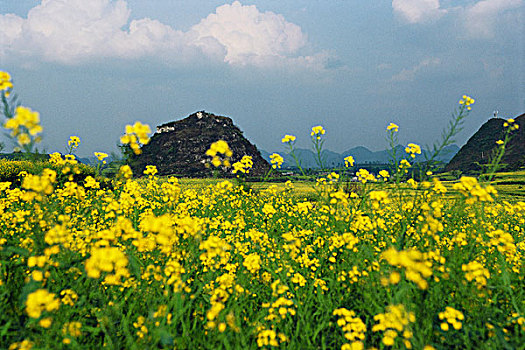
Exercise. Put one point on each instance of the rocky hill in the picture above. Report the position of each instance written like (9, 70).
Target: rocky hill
(482, 144)
(179, 147)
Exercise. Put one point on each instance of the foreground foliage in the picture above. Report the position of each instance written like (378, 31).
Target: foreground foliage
(146, 265)
(141, 264)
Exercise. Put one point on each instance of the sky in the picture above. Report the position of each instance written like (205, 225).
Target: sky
(275, 67)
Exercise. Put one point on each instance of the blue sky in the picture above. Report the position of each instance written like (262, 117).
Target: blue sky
(275, 67)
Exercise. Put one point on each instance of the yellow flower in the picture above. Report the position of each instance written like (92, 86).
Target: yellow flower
(23, 345)
(474, 271)
(5, 83)
(23, 124)
(136, 135)
(74, 142)
(413, 149)
(243, 166)
(220, 153)
(45, 322)
(394, 321)
(39, 301)
(125, 172)
(453, 317)
(276, 160)
(109, 259)
(353, 327)
(69, 297)
(252, 262)
(150, 170)
(288, 139)
(349, 161)
(72, 329)
(417, 266)
(393, 127)
(363, 175)
(466, 101)
(317, 131)
(101, 156)
(23, 139)
(268, 209)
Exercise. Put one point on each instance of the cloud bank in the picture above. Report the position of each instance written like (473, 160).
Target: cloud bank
(410, 74)
(418, 11)
(480, 18)
(76, 31)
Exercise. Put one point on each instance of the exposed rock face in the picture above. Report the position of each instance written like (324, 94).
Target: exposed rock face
(481, 145)
(179, 147)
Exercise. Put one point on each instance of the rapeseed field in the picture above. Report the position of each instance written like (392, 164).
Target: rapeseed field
(146, 264)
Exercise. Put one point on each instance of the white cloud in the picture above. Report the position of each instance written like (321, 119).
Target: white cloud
(410, 74)
(75, 31)
(418, 11)
(246, 33)
(482, 17)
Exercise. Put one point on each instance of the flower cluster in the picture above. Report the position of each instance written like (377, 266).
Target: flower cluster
(71, 330)
(23, 125)
(151, 170)
(23, 345)
(40, 185)
(470, 188)
(349, 161)
(466, 101)
(474, 271)
(39, 301)
(107, 259)
(393, 127)
(288, 139)
(252, 262)
(353, 327)
(73, 143)
(269, 337)
(282, 306)
(413, 149)
(317, 131)
(378, 197)
(364, 176)
(69, 297)
(511, 124)
(276, 160)
(417, 267)
(503, 241)
(142, 330)
(384, 174)
(136, 135)
(56, 158)
(101, 156)
(393, 322)
(125, 172)
(404, 165)
(220, 153)
(5, 83)
(452, 317)
(243, 166)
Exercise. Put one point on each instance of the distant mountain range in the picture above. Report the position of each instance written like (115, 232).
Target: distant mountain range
(362, 155)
